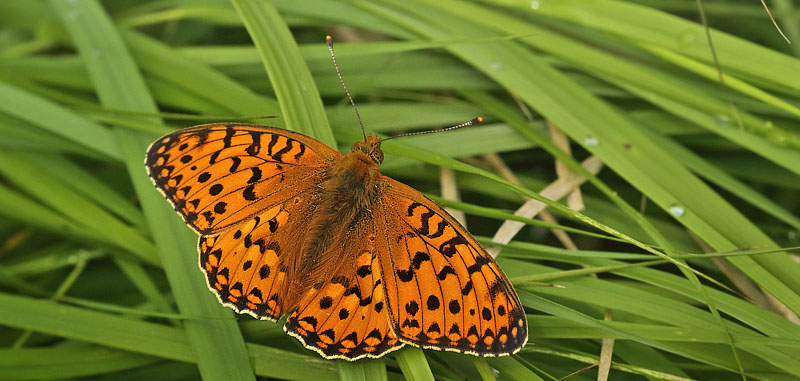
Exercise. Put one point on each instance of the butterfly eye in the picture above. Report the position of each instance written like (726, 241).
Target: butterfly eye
(377, 155)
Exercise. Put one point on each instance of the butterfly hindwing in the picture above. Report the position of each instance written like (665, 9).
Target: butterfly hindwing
(445, 291)
(245, 265)
(346, 317)
(218, 175)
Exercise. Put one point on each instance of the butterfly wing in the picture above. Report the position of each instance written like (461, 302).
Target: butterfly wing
(444, 291)
(238, 186)
(347, 317)
(219, 175)
(246, 266)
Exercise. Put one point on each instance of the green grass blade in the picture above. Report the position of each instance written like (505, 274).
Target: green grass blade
(413, 364)
(147, 338)
(66, 362)
(217, 342)
(49, 116)
(296, 91)
(362, 370)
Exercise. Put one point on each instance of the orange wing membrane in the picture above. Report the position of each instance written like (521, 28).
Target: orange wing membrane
(218, 175)
(347, 317)
(445, 291)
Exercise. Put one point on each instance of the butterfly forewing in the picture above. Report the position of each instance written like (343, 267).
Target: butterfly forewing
(236, 185)
(218, 175)
(444, 291)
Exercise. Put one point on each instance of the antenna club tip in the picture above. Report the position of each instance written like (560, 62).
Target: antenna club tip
(328, 38)
(479, 119)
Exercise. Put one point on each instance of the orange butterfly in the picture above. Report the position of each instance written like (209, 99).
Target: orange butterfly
(363, 263)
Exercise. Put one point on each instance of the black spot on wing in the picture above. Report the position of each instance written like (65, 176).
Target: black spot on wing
(273, 139)
(255, 147)
(467, 288)
(432, 303)
(405, 275)
(326, 302)
(420, 257)
(213, 158)
(424, 219)
(496, 288)
(363, 271)
(278, 156)
(255, 176)
(439, 229)
(310, 320)
(264, 271)
(215, 189)
(413, 206)
(353, 291)
(454, 306)
(248, 193)
(446, 270)
(448, 247)
(480, 261)
(412, 308)
(235, 162)
(301, 152)
(229, 132)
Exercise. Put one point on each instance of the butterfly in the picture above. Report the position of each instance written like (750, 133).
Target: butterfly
(362, 263)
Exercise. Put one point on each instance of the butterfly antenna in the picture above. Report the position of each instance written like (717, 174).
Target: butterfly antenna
(472, 122)
(329, 40)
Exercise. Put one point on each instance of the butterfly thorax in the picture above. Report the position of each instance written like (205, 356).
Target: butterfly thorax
(343, 201)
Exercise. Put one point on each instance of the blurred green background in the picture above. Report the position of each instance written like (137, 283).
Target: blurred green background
(676, 256)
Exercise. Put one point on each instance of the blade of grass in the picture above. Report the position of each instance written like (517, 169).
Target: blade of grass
(24, 173)
(22, 208)
(66, 362)
(362, 370)
(148, 338)
(413, 364)
(217, 341)
(56, 119)
(301, 106)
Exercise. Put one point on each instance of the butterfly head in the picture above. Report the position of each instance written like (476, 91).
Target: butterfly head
(370, 146)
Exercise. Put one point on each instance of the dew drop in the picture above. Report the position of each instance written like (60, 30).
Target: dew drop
(495, 66)
(777, 137)
(591, 141)
(535, 4)
(722, 120)
(72, 14)
(686, 39)
(677, 210)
